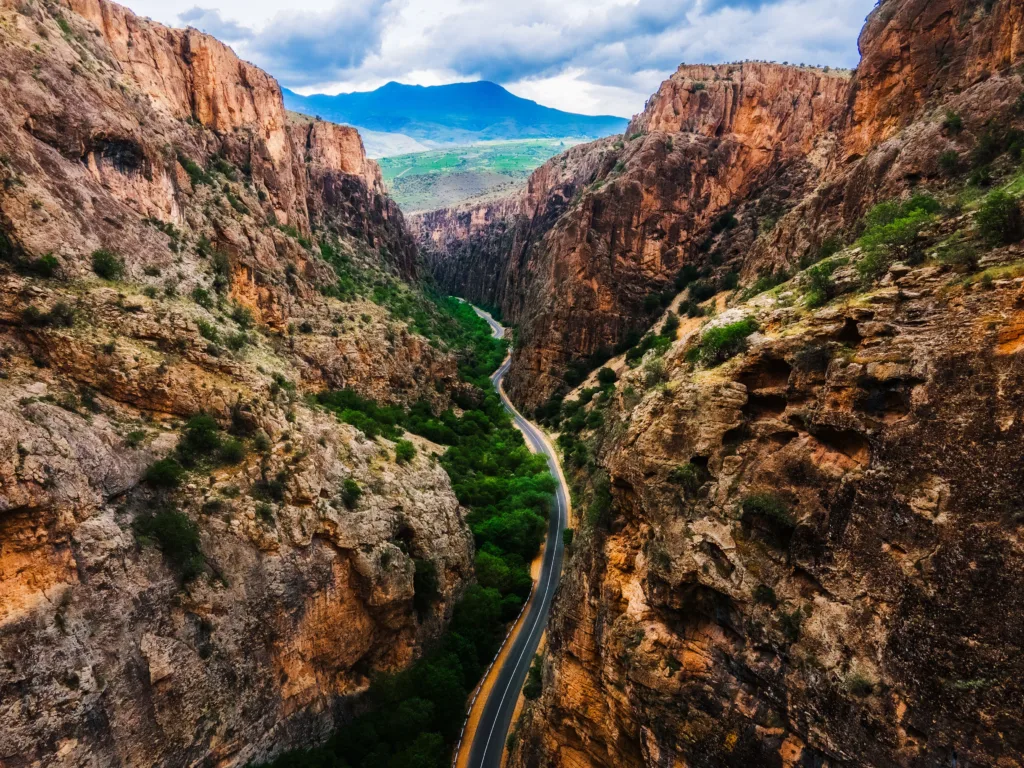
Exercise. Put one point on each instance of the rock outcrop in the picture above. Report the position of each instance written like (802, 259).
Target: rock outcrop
(173, 243)
(808, 555)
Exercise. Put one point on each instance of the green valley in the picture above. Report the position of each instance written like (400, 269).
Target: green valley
(441, 178)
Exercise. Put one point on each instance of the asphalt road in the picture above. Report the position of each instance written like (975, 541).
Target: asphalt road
(496, 719)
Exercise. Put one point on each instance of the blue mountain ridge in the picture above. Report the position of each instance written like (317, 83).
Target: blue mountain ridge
(452, 114)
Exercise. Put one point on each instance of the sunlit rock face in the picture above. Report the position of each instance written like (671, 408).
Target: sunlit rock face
(162, 148)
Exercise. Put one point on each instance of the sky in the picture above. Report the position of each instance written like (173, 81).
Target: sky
(588, 56)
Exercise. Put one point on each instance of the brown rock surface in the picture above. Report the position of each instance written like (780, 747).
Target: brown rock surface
(160, 147)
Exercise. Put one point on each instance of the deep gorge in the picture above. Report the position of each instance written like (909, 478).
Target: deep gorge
(259, 505)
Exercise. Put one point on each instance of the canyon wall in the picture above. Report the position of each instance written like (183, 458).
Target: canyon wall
(808, 555)
(573, 258)
(172, 243)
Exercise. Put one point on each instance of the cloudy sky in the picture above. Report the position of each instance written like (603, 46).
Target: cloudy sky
(590, 56)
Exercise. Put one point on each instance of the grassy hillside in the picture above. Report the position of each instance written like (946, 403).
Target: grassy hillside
(425, 181)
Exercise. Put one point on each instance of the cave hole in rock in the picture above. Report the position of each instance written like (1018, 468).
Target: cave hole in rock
(404, 538)
(765, 406)
(124, 155)
(694, 601)
(767, 373)
(881, 399)
(848, 334)
(851, 444)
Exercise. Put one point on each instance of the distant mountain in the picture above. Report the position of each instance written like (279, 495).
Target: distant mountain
(459, 113)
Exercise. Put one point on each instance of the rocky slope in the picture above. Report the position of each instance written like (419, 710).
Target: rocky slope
(598, 230)
(173, 243)
(809, 555)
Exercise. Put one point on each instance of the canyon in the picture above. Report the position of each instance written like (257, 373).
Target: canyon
(775, 329)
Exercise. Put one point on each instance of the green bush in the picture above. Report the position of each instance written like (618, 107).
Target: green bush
(61, 315)
(200, 439)
(687, 476)
(165, 473)
(208, 331)
(107, 264)
(670, 329)
(350, 493)
(953, 123)
(723, 342)
(606, 376)
(45, 266)
(533, 686)
(765, 595)
(202, 297)
(195, 173)
(265, 512)
(134, 438)
(232, 451)
(405, 451)
(820, 286)
(959, 255)
(892, 233)
(860, 685)
(999, 219)
(177, 537)
(567, 537)
(236, 341)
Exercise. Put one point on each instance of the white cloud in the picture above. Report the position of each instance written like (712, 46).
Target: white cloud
(593, 56)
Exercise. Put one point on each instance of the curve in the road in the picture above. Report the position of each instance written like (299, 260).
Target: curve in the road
(488, 739)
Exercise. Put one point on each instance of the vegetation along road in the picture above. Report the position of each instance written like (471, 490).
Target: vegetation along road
(485, 743)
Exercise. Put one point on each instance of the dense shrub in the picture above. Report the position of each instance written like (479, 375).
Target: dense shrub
(892, 232)
(532, 688)
(107, 264)
(202, 297)
(405, 451)
(606, 376)
(820, 286)
(195, 172)
(999, 219)
(350, 493)
(954, 124)
(176, 536)
(165, 473)
(723, 342)
(687, 476)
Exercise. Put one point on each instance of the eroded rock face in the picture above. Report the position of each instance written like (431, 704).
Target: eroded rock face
(698, 630)
(805, 546)
(160, 154)
(601, 228)
(916, 53)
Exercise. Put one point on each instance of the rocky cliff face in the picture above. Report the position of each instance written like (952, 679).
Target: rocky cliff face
(598, 230)
(795, 558)
(173, 243)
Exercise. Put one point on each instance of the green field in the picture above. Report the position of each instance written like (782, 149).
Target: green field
(425, 181)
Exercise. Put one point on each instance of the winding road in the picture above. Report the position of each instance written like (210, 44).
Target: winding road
(485, 743)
